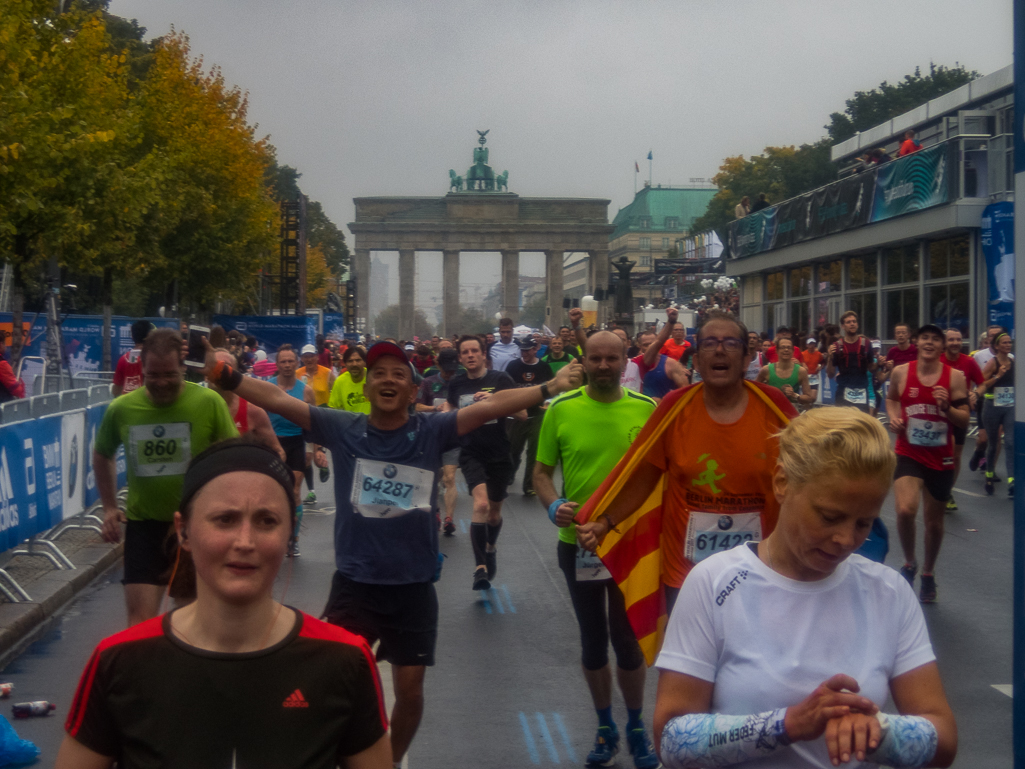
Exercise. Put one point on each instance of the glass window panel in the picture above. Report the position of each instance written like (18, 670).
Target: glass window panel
(959, 261)
(800, 319)
(800, 281)
(646, 244)
(774, 286)
(948, 307)
(861, 272)
(902, 264)
(901, 307)
(775, 316)
(829, 276)
(865, 306)
(939, 261)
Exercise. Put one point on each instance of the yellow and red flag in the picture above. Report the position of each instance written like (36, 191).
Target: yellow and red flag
(633, 555)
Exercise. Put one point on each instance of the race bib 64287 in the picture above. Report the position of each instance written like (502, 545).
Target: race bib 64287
(389, 490)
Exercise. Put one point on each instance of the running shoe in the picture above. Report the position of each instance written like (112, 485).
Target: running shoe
(989, 484)
(1010, 487)
(973, 463)
(325, 475)
(951, 504)
(449, 528)
(908, 572)
(641, 749)
(311, 498)
(293, 549)
(927, 592)
(606, 745)
(480, 579)
(529, 493)
(491, 559)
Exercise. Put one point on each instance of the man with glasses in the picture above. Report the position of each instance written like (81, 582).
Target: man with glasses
(162, 425)
(715, 445)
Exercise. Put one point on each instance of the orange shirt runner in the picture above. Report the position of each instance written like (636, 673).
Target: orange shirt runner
(721, 475)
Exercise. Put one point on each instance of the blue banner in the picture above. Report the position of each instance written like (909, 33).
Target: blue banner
(272, 331)
(997, 236)
(91, 495)
(334, 325)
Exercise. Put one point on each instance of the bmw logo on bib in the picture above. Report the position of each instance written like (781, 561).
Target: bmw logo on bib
(725, 522)
(158, 431)
(390, 471)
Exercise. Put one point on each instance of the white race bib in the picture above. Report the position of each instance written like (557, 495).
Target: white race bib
(438, 403)
(387, 490)
(589, 566)
(709, 533)
(1003, 396)
(813, 380)
(159, 450)
(856, 395)
(467, 400)
(926, 432)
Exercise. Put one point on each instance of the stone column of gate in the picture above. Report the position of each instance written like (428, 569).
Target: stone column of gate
(510, 284)
(554, 288)
(407, 292)
(362, 270)
(450, 292)
(600, 276)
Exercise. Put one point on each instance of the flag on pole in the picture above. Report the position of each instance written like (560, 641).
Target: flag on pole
(649, 154)
(633, 555)
(637, 168)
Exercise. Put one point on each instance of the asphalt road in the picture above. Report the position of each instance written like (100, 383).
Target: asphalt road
(507, 689)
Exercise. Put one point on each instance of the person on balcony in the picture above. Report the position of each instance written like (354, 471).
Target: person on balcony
(909, 145)
(11, 387)
(743, 208)
(762, 202)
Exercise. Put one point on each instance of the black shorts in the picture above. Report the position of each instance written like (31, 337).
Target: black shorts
(403, 617)
(496, 473)
(959, 433)
(149, 552)
(939, 483)
(295, 452)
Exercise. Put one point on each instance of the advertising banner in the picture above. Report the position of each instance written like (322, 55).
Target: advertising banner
(912, 183)
(272, 331)
(19, 507)
(49, 471)
(334, 325)
(73, 448)
(997, 236)
(844, 205)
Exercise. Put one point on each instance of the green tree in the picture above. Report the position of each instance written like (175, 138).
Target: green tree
(472, 321)
(870, 108)
(387, 323)
(533, 312)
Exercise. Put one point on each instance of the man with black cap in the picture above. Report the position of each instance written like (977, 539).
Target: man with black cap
(386, 535)
(926, 401)
(432, 397)
(528, 371)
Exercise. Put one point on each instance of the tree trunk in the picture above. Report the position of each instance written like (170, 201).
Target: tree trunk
(108, 310)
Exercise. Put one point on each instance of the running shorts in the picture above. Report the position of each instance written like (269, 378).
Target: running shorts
(939, 483)
(959, 433)
(497, 474)
(149, 552)
(295, 452)
(450, 457)
(403, 617)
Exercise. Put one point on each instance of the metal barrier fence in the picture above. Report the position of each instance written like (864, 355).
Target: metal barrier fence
(47, 483)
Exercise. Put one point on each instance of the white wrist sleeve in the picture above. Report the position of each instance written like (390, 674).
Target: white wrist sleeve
(713, 740)
(908, 742)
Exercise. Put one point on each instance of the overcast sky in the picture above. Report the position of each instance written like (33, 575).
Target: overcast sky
(383, 98)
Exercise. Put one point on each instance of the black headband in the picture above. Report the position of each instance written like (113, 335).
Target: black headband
(232, 457)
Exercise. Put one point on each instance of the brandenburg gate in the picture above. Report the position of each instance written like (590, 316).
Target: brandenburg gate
(480, 214)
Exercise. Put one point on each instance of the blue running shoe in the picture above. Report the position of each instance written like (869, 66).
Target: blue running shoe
(641, 749)
(606, 745)
(908, 572)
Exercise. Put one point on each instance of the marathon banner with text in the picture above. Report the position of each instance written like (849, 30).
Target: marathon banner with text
(83, 339)
(997, 236)
(334, 325)
(911, 183)
(272, 331)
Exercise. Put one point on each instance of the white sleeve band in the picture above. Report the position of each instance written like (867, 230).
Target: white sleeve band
(712, 740)
(908, 742)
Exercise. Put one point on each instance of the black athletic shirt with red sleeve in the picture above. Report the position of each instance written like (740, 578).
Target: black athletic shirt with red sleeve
(149, 700)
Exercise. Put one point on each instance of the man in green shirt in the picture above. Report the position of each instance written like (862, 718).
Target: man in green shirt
(162, 425)
(557, 357)
(588, 431)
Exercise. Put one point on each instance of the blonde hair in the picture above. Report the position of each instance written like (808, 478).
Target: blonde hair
(833, 439)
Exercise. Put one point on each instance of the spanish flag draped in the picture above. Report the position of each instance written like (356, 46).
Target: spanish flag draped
(633, 555)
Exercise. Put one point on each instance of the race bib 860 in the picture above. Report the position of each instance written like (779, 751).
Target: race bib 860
(159, 450)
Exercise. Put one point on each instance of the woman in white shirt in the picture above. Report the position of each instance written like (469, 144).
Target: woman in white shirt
(786, 650)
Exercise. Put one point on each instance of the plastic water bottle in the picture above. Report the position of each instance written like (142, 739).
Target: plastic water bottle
(29, 709)
(5, 690)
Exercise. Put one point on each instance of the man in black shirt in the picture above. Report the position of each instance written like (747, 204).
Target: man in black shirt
(484, 455)
(528, 371)
(432, 397)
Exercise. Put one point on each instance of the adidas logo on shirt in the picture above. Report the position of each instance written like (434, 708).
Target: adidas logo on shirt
(295, 700)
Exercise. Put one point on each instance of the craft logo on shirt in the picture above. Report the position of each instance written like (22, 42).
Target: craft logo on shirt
(709, 476)
(295, 700)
